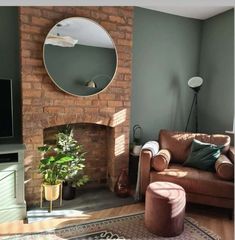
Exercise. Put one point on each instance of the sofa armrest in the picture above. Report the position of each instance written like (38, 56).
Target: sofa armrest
(149, 150)
(145, 166)
(231, 154)
(224, 168)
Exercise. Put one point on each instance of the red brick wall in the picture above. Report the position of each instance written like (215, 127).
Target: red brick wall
(44, 105)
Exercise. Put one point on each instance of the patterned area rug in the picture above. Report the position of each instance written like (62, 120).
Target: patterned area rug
(125, 227)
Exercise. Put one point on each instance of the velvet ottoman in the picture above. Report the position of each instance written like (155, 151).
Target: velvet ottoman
(165, 209)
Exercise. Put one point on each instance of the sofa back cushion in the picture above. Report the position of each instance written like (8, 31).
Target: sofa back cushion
(203, 155)
(179, 143)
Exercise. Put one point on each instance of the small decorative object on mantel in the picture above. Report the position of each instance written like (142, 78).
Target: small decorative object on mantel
(122, 187)
(137, 135)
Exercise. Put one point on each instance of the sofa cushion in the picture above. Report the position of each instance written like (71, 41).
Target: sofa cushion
(224, 168)
(203, 155)
(231, 154)
(161, 160)
(179, 143)
(195, 181)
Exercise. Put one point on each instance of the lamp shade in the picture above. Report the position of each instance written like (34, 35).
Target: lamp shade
(195, 83)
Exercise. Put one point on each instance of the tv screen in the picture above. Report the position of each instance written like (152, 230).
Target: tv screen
(6, 109)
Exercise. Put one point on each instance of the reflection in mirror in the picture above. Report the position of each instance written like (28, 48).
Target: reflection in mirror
(80, 56)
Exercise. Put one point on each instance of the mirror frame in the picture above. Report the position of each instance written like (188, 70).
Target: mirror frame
(114, 74)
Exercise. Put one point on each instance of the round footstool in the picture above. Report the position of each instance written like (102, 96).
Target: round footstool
(165, 209)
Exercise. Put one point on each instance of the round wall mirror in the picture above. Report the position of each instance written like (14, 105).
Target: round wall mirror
(80, 56)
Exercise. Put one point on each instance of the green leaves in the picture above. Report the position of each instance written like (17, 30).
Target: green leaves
(44, 148)
(63, 161)
(80, 181)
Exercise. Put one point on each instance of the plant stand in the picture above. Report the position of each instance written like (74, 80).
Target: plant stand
(51, 201)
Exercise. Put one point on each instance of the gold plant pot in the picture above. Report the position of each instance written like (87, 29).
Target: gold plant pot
(52, 192)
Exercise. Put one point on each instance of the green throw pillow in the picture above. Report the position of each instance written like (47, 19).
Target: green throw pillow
(203, 155)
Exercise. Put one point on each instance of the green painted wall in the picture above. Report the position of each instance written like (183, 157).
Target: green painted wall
(165, 55)
(72, 67)
(9, 61)
(217, 69)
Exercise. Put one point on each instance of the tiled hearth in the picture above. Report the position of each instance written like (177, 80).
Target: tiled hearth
(45, 106)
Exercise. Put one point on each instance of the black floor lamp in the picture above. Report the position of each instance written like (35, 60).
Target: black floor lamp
(195, 83)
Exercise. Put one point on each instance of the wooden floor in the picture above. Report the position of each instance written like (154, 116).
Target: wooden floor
(214, 219)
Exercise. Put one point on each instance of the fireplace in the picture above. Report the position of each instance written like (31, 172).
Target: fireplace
(44, 106)
(96, 143)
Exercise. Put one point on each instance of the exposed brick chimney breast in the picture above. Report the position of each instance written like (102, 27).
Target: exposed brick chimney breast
(45, 106)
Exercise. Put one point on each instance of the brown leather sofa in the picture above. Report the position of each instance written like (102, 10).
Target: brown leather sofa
(201, 186)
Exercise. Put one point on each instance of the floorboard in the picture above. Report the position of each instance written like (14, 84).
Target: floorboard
(87, 200)
(215, 219)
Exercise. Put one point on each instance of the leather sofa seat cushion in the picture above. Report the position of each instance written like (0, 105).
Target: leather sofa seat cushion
(161, 160)
(224, 168)
(195, 181)
(179, 143)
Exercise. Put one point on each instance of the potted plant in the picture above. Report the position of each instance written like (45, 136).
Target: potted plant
(75, 176)
(63, 163)
(53, 167)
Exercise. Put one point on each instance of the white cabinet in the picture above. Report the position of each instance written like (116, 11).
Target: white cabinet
(12, 199)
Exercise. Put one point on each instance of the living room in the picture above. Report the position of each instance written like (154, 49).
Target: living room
(168, 95)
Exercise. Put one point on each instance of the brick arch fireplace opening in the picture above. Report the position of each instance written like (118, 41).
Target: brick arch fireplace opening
(96, 141)
(105, 139)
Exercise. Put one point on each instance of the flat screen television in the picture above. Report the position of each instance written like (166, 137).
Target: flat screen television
(6, 109)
